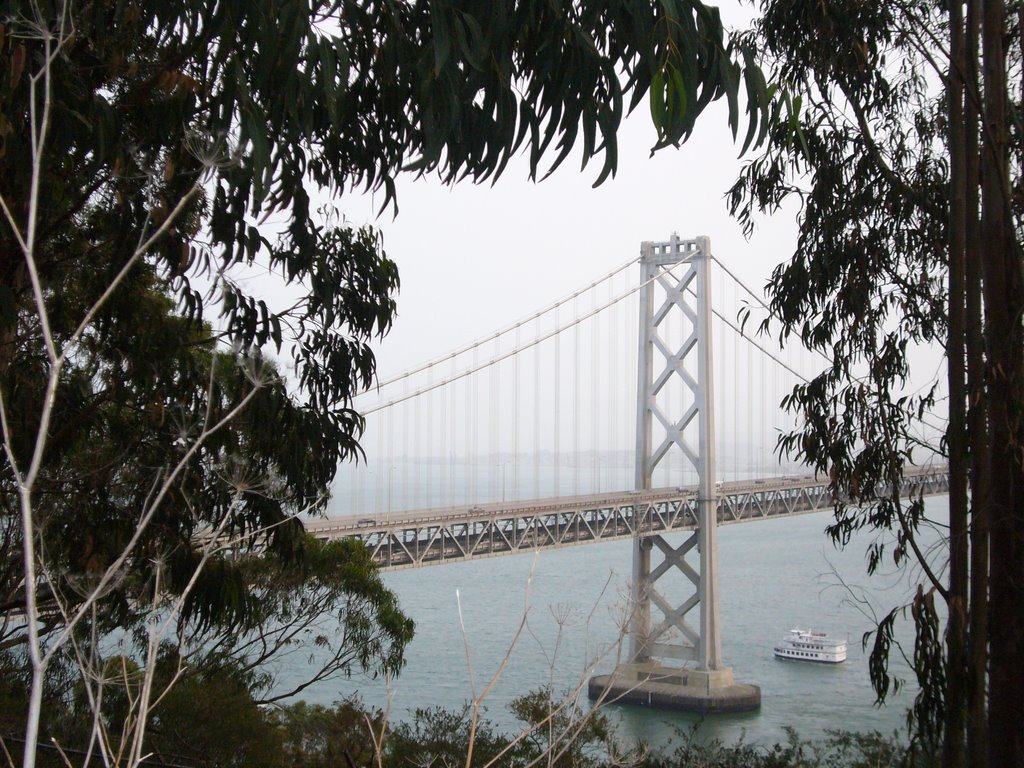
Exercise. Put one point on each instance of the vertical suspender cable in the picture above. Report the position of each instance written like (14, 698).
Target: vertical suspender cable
(735, 396)
(472, 458)
(453, 448)
(426, 455)
(727, 367)
(496, 422)
(750, 411)
(615, 403)
(515, 423)
(595, 395)
(780, 417)
(536, 415)
(576, 394)
(377, 484)
(493, 392)
(631, 376)
(761, 419)
(556, 420)
(355, 491)
(541, 412)
(414, 498)
(442, 460)
(391, 456)
(408, 461)
(400, 467)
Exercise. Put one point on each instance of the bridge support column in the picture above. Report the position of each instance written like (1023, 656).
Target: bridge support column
(676, 287)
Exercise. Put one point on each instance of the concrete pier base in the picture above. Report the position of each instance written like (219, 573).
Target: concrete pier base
(691, 690)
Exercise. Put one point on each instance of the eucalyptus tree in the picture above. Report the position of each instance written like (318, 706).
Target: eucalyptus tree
(155, 155)
(903, 149)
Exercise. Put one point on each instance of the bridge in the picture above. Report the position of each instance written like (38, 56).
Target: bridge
(442, 535)
(518, 441)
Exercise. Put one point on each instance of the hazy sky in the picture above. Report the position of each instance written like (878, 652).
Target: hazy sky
(473, 258)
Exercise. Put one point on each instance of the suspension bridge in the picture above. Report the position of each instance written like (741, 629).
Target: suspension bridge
(601, 416)
(441, 535)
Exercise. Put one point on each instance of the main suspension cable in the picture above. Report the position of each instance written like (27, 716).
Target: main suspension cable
(510, 353)
(497, 334)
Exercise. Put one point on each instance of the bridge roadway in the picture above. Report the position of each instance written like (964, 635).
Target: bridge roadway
(442, 535)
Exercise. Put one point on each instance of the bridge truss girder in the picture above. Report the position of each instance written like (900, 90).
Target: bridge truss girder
(440, 536)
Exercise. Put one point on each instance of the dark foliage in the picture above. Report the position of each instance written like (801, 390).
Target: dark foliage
(186, 127)
(156, 158)
(863, 153)
(900, 236)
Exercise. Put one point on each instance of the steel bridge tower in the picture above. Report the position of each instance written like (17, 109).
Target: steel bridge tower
(675, 286)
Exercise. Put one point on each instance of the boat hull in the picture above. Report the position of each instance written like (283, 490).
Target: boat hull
(782, 654)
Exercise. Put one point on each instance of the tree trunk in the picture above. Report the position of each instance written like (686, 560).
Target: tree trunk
(1003, 342)
(956, 685)
(980, 450)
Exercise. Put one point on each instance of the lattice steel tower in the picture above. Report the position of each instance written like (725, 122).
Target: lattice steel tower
(675, 363)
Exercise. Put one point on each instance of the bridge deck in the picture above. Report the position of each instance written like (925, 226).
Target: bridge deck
(436, 536)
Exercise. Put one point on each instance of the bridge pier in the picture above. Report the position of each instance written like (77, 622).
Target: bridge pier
(651, 684)
(677, 268)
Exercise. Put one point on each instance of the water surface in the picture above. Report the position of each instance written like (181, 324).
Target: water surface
(774, 575)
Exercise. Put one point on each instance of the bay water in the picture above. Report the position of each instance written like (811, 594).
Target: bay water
(554, 617)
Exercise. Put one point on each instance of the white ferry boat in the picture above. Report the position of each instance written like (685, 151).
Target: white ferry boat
(805, 645)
